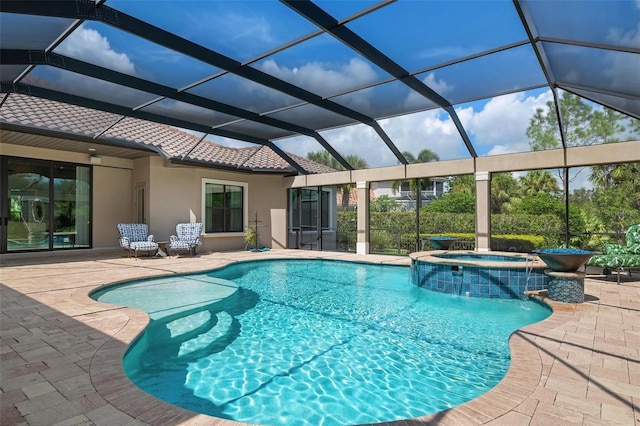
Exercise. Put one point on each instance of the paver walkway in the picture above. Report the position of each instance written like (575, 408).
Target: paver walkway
(61, 351)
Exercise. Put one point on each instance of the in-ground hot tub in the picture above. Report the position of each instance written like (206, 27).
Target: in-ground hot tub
(504, 275)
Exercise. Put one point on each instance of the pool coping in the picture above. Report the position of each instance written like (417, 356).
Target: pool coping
(432, 257)
(522, 396)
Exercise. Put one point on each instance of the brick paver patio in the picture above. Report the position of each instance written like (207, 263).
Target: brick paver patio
(61, 351)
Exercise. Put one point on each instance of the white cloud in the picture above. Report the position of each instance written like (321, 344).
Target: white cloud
(414, 99)
(502, 149)
(320, 78)
(237, 27)
(90, 46)
(623, 68)
(502, 122)
(233, 29)
(497, 128)
(230, 143)
(433, 130)
(299, 145)
(363, 141)
(446, 52)
(440, 86)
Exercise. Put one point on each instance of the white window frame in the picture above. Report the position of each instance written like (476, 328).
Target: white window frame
(245, 205)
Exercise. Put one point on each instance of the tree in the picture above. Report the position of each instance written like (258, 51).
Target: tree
(538, 181)
(384, 204)
(541, 203)
(416, 185)
(582, 125)
(357, 163)
(453, 202)
(324, 157)
(544, 131)
(503, 187)
(617, 194)
(604, 125)
(462, 183)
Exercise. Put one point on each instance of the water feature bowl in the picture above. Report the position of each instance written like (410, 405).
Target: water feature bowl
(564, 259)
(442, 243)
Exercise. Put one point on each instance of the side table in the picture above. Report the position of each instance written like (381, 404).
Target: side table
(162, 248)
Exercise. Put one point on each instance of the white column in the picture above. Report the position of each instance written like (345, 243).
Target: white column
(483, 211)
(362, 244)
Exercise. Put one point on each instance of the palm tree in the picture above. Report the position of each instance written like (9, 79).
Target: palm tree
(463, 183)
(325, 158)
(357, 163)
(539, 181)
(503, 187)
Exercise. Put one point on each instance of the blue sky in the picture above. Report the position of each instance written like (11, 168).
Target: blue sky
(415, 34)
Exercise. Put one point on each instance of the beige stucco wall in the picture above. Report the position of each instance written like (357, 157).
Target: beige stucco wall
(174, 195)
(111, 204)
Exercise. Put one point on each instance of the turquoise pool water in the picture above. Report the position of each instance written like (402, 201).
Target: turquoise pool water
(303, 342)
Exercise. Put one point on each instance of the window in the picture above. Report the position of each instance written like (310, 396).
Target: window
(224, 206)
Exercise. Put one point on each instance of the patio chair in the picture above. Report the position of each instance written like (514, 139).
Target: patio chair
(135, 237)
(188, 237)
(616, 256)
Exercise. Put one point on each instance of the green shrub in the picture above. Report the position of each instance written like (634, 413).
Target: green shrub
(518, 243)
(395, 231)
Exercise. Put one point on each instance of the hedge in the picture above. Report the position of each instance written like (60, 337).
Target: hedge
(396, 230)
(456, 222)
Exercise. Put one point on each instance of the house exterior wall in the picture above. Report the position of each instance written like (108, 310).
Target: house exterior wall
(111, 204)
(173, 194)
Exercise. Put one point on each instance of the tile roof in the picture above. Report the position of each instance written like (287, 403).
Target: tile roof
(175, 144)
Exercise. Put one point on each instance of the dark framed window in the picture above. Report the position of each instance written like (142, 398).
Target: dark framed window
(224, 207)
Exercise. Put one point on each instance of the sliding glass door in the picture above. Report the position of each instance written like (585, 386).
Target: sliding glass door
(47, 205)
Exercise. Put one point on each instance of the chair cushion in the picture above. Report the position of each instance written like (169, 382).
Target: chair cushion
(181, 245)
(134, 231)
(143, 246)
(633, 235)
(614, 249)
(615, 260)
(634, 249)
(188, 235)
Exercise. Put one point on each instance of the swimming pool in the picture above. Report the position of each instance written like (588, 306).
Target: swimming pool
(303, 342)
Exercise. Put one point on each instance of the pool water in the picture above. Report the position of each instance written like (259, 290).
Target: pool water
(314, 342)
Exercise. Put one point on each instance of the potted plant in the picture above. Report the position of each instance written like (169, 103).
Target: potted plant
(251, 238)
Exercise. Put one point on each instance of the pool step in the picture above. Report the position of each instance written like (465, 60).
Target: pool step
(204, 340)
(189, 326)
(180, 329)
